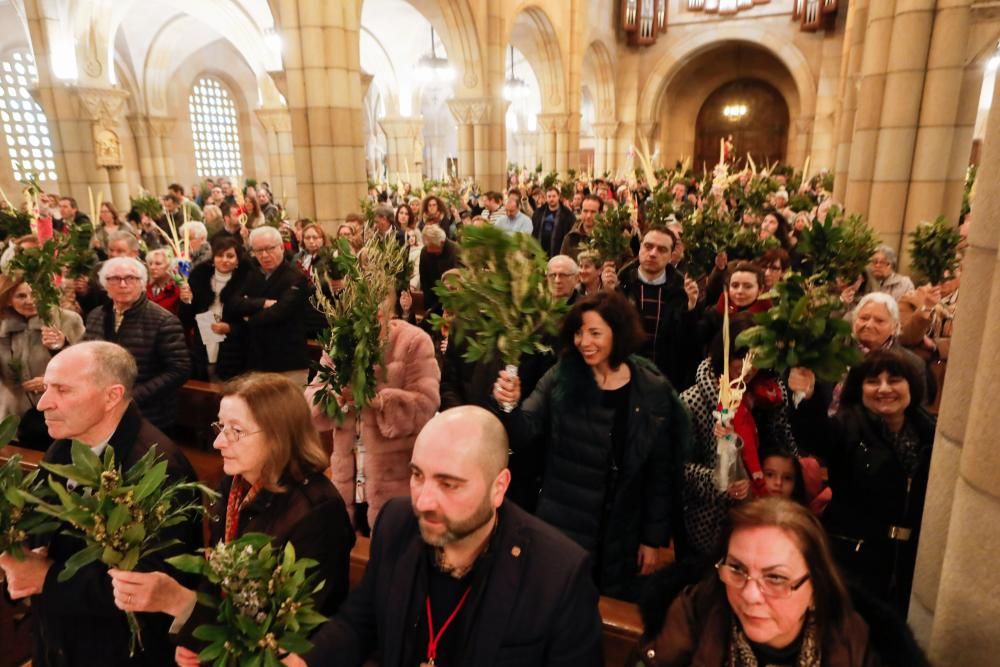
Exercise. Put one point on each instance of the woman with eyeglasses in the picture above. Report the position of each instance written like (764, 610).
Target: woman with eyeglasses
(274, 484)
(774, 598)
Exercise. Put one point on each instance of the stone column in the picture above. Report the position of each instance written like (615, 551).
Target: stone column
(847, 99)
(962, 516)
(822, 147)
(160, 129)
(870, 94)
(323, 77)
(281, 156)
(140, 130)
(798, 143)
(101, 109)
(947, 116)
(547, 130)
(604, 146)
(402, 137)
(482, 139)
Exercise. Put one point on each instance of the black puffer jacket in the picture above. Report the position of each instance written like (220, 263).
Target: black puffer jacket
(232, 355)
(609, 511)
(156, 340)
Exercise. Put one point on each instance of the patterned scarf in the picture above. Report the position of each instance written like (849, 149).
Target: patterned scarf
(241, 494)
(741, 655)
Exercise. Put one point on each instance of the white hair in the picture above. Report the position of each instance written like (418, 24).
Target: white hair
(265, 232)
(889, 252)
(198, 229)
(434, 235)
(881, 298)
(116, 262)
(574, 268)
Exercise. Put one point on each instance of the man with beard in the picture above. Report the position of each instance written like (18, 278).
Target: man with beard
(458, 575)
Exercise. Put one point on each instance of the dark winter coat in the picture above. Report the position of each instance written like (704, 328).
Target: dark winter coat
(563, 224)
(431, 267)
(607, 509)
(76, 622)
(871, 493)
(156, 340)
(310, 515)
(532, 602)
(232, 356)
(275, 336)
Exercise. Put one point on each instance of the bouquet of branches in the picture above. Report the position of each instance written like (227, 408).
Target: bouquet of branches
(265, 601)
(40, 266)
(505, 305)
(705, 234)
(76, 254)
(745, 243)
(17, 521)
(803, 328)
(119, 515)
(146, 204)
(14, 223)
(610, 237)
(353, 340)
(838, 248)
(934, 250)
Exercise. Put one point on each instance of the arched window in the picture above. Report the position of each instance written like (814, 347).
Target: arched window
(25, 127)
(215, 129)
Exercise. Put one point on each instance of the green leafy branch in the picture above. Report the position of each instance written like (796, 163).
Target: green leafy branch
(934, 250)
(609, 239)
(839, 248)
(18, 521)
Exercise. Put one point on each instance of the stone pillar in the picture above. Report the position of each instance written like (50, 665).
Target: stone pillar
(526, 153)
(947, 116)
(847, 99)
(140, 130)
(962, 516)
(870, 94)
(798, 143)
(482, 139)
(160, 129)
(403, 139)
(323, 76)
(604, 146)
(822, 147)
(281, 156)
(548, 130)
(100, 146)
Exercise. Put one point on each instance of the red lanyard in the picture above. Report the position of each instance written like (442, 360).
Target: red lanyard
(433, 639)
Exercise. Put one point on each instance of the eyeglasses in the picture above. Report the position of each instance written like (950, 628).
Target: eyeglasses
(261, 251)
(770, 585)
(563, 276)
(122, 280)
(231, 434)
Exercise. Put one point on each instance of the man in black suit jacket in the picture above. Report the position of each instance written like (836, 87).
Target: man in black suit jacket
(515, 590)
(273, 305)
(88, 397)
(550, 223)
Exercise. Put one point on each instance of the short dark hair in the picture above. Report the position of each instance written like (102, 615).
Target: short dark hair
(737, 325)
(553, 188)
(627, 334)
(174, 198)
(775, 255)
(226, 208)
(71, 200)
(662, 229)
(600, 202)
(222, 242)
(494, 196)
(176, 187)
(893, 362)
(746, 266)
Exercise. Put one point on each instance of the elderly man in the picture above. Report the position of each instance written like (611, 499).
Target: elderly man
(458, 575)
(882, 276)
(273, 304)
(578, 237)
(153, 336)
(564, 275)
(513, 220)
(552, 222)
(89, 398)
(437, 256)
(199, 250)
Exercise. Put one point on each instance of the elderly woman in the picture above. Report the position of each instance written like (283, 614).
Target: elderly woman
(371, 449)
(27, 344)
(209, 289)
(761, 422)
(162, 288)
(212, 217)
(775, 598)
(274, 484)
(198, 249)
(611, 426)
(878, 450)
(882, 276)
(590, 274)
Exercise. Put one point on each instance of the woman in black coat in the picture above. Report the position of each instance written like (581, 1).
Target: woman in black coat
(210, 287)
(878, 451)
(614, 433)
(275, 485)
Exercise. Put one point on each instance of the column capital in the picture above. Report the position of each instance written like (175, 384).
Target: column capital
(606, 130)
(139, 124)
(478, 110)
(401, 126)
(104, 106)
(160, 126)
(276, 119)
(554, 122)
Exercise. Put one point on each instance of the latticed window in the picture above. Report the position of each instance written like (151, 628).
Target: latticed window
(25, 127)
(215, 129)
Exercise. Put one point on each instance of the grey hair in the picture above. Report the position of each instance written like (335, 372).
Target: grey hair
(198, 229)
(434, 235)
(211, 211)
(116, 262)
(889, 253)
(265, 232)
(385, 212)
(574, 267)
(128, 237)
(112, 364)
(881, 298)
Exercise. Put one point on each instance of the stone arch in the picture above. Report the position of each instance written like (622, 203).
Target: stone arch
(533, 34)
(456, 23)
(599, 74)
(683, 51)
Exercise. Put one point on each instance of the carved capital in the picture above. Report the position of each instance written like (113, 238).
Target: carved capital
(401, 127)
(554, 122)
(275, 120)
(478, 111)
(104, 106)
(606, 130)
(160, 126)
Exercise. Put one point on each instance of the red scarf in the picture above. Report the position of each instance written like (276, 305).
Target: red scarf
(764, 392)
(241, 494)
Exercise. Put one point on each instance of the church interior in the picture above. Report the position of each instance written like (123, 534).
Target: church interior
(893, 102)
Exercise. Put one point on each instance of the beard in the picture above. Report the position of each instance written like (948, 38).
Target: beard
(454, 530)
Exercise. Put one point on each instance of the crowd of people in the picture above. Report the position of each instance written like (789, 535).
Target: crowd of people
(587, 472)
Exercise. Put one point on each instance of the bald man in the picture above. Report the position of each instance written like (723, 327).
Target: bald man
(516, 590)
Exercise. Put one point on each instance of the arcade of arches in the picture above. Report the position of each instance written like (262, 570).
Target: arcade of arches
(892, 97)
